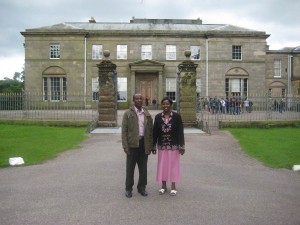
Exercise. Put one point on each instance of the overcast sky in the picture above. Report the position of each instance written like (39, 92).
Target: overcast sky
(280, 19)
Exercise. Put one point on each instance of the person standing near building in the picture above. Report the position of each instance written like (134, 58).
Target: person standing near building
(223, 106)
(168, 140)
(246, 105)
(137, 139)
(154, 105)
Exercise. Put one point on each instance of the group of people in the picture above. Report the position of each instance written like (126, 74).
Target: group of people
(154, 105)
(141, 137)
(233, 106)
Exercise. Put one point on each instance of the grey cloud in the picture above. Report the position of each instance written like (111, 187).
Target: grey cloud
(18, 15)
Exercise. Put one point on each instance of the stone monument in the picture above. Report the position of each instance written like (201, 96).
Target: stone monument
(187, 96)
(107, 106)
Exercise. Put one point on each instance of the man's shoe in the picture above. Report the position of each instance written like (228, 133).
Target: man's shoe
(128, 194)
(143, 192)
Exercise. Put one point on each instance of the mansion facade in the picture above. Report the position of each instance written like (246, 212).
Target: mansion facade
(232, 61)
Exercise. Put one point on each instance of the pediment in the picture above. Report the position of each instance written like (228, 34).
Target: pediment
(237, 71)
(146, 65)
(277, 84)
(54, 70)
(146, 62)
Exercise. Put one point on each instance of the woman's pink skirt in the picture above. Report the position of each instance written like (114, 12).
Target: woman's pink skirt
(168, 166)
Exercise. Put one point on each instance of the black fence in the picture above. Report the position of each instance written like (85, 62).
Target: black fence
(210, 110)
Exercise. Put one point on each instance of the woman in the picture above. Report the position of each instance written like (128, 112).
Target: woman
(168, 139)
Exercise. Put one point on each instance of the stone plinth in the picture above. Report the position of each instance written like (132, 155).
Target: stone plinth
(107, 106)
(187, 96)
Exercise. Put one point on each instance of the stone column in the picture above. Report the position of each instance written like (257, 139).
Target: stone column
(187, 97)
(160, 85)
(107, 106)
(132, 81)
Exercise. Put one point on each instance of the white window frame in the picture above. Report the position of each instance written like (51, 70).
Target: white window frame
(277, 68)
(95, 89)
(236, 86)
(54, 51)
(97, 52)
(170, 52)
(236, 52)
(146, 52)
(195, 52)
(54, 88)
(121, 51)
(171, 88)
(122, 89)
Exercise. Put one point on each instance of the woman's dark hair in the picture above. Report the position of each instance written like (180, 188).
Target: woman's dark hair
(168, 99)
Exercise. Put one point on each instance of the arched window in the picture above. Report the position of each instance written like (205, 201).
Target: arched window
(54, 84)
(236, 82)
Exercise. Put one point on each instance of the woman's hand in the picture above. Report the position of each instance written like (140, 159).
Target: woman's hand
(181, 151)
(154, 151)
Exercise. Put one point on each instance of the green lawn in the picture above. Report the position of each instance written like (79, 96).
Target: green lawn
(276, 147)
(36, 144)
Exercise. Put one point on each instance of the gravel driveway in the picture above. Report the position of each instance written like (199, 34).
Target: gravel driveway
(221, 186)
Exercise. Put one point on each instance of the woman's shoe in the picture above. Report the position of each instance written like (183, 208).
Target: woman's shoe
(173, 192)
(162, 191)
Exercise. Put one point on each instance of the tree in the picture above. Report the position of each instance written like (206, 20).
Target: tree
(12, 85)
(19, 76)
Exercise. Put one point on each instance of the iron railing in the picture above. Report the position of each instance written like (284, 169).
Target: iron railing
(80, 107)
(254, 108)
(34, 106)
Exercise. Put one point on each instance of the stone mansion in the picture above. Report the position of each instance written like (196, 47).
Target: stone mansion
(232, 61)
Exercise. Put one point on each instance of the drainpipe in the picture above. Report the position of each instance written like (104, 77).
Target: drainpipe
(206, 66)
(290, 58)
(289, 91)
(84, 79)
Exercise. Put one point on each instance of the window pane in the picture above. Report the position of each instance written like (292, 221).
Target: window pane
(121, 51)
(55, 88)
(171, 52)
(122, 89)
(97, 51)
(171, 88)
(171, 95)
(146, 52)
(171, 84)
(45, 88)
(245, 87)
(64, 86)
(235, 85)
(95, 88)
(227, 87)
(236, 52)
(195, 52)
(277, 68)
(54, 51)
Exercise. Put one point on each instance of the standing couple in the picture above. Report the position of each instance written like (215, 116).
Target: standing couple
(140, 137)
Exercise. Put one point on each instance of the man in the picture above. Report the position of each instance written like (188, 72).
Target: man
(137, 133)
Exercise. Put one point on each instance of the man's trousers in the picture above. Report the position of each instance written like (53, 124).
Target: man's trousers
(136, 156)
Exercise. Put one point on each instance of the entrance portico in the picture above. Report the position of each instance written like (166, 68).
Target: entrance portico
(146, 77)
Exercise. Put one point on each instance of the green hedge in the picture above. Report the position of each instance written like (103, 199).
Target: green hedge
(259, 124)
(57, 123)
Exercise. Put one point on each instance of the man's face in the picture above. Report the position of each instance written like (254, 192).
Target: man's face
(138, 101)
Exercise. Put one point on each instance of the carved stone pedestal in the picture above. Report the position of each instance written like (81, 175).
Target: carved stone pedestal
(107, 106)
(187, 96)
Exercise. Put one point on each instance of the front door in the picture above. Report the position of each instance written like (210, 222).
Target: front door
(146, 91)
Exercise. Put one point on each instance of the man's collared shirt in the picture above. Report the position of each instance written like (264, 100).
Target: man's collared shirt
(140, 114)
